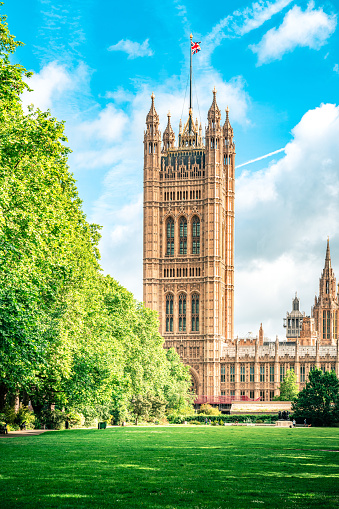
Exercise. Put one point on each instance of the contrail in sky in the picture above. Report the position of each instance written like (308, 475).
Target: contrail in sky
(259, 158)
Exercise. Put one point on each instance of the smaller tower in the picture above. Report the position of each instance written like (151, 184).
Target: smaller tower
(151, 233)
(168, 136)
(326, 309)
(294, 320)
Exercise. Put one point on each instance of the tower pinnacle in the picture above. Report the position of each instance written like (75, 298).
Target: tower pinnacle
(328, 255)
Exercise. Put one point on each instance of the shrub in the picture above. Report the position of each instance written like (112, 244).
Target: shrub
(225, 418)
(2, 419)
(25, 415)
(207, 409)
(9, 414)
(75, 419)
(53, 419)
(15, 419)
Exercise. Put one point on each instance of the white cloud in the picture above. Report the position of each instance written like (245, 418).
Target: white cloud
(109, 126)
(52, 81)
(256, 15)
(310, 28)
(133, 49)
(50, 85)
(240, 23)
(121, 244)
(336, 68)
(283, 216)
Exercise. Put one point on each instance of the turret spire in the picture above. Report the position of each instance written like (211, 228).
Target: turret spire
(152, 115)
(328, 255)
(169, 136)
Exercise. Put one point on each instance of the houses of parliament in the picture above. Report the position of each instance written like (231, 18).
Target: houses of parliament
(188, 269)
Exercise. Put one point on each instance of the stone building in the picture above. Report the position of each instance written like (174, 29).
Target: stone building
(188, 239)
(188, 270)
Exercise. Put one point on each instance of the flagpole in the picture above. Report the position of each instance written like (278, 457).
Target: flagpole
(191, 37)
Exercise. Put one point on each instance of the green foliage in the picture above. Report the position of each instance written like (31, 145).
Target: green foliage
(147, 407)
(69, 336)
(24, 415)
(225, 418)
(318, 402)
(288, 387)
(53, 419)
(75, 419)
(207, 409)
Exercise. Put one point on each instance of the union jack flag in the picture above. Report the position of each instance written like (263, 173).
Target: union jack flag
(195, 47)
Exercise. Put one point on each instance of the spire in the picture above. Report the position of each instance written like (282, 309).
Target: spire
(228, 130)
(169, 136)
(214, 114)
(328, 255)
(152, 115)
(327, 280)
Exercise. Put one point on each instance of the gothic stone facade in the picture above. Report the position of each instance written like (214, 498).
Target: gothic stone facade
(188, 239)
(188, 267)
(254, 368)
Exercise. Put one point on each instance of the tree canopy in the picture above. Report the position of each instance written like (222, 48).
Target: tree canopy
(318, 402)
(69, 336)
(288, 387)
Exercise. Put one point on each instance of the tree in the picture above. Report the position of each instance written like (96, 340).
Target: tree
(318, 402)
(53, 342)
(147, 406)
(68, 335)
(288, 387)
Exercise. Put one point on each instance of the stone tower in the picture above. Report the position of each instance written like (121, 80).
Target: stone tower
(294, 320)
(188, 262)
(326, 306)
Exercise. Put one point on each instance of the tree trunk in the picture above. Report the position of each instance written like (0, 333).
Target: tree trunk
(3, 395)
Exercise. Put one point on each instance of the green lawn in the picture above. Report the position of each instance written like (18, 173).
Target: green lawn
(172, 467)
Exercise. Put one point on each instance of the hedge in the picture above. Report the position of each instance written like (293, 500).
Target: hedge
(267, 419)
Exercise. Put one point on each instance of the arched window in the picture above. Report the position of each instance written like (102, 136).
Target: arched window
(182, 312)
(183, 236)
(195, 312)
(169, 312)
(196, 235)
(170, 236)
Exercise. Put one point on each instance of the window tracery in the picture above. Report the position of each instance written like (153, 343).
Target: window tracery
(170, 237)
(169, 312)
(196, 235)
(195, 312)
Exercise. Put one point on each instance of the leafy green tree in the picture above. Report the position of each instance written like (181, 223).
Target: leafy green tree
(69, 336)
(288, 387)
(144, 366)
(318, 402)
(177, 390)
(50, 277)
(141, 406)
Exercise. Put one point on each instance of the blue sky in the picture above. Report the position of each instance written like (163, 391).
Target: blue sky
(274, 63)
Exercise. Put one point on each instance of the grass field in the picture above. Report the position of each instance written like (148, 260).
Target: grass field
(172, 467)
